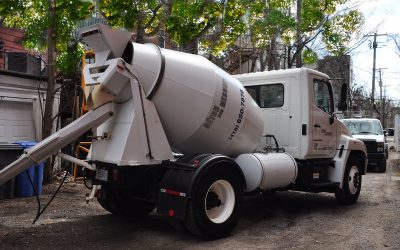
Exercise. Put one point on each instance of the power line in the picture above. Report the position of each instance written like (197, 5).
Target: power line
(367, 71)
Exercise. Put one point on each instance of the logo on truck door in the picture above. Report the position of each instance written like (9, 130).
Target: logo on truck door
(324, 131)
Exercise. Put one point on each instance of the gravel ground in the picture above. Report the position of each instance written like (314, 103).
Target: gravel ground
(285, 220)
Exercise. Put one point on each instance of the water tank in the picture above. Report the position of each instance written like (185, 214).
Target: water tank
(202, 108)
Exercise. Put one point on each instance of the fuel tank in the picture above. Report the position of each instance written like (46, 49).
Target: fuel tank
(267, 171)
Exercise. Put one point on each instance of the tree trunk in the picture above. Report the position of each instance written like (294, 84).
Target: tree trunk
(298, 35)
(273, 62)
(140, 33)
(47, 126)
(254, 58)
(191, 47)
(263, 58)
(289, 57)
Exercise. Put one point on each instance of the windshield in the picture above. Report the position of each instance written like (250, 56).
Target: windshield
(364, 127)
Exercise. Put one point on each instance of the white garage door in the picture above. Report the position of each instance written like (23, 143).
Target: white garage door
(16, 121)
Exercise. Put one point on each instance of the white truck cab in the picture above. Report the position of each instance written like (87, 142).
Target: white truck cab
(370, 131)
(299, 111)
(305, 129)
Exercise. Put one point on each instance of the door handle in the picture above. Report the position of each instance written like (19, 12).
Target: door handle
(317, 126)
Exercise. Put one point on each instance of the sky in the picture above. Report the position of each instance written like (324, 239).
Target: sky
(383, 16)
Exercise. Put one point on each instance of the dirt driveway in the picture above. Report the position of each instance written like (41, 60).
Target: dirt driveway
(286, 220)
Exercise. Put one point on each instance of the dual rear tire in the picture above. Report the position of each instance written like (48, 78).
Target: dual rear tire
(214, 208)
(212, 212)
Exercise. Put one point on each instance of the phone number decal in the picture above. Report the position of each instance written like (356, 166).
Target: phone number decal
(240, 116)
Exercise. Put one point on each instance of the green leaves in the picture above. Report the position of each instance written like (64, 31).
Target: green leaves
(339, 31)
(68, 60)
(215, 25)
(190, 20)
(229, 25)
(32, 16)
(276, 20)
(131, 14)
(310, 56)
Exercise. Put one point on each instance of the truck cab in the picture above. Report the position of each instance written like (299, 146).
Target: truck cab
(299, 111)
(371, 133)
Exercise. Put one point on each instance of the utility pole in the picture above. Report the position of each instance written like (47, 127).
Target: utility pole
(298, 33)
(374, 46)
(382, 99)
(380, 85)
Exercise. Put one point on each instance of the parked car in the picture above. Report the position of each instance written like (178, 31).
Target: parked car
(371, 133)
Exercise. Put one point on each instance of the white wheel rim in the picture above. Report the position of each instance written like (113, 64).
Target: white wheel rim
(354, 180)
(226, 196)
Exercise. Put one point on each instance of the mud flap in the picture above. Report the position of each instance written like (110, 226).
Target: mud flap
(172, 206)
(173, 196)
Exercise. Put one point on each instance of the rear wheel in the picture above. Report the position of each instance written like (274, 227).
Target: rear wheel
(119, 203)
(351, 185)
(214, 210)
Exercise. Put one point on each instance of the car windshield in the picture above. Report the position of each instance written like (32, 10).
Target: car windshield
(364, 127)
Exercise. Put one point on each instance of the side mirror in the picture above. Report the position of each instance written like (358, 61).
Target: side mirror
(342, 105)
(331, 119)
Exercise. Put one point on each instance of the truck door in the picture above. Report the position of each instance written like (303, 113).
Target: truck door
(323, 123)
(273, 99)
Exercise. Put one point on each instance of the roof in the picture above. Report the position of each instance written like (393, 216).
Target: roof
(359, 119)
(277, 73)
(23, 75)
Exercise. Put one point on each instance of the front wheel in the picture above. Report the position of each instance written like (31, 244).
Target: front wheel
(214, 210)
(351, 185)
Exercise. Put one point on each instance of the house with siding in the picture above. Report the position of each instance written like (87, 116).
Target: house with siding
(22, 89)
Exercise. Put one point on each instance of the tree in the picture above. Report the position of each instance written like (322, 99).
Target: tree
(49, 24)
(143, 17)
(214, 24)
(296, 25)
(321, 19)
(267, 22)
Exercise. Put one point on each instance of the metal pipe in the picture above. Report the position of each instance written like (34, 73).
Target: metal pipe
(76, 161)
(56, 141)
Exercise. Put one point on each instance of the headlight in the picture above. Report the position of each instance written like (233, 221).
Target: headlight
(380, 146)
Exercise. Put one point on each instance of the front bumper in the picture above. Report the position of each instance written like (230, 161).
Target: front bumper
(376, 158)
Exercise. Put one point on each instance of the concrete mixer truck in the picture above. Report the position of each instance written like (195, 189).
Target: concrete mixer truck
(173, 132)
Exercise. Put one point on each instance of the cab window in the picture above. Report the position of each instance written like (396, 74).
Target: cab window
(267, 96)
(323, 95)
